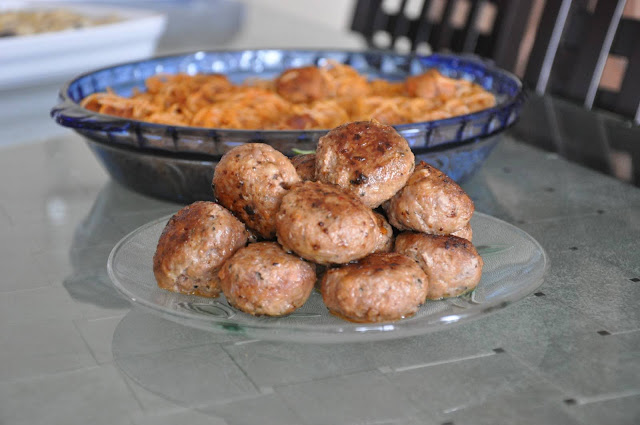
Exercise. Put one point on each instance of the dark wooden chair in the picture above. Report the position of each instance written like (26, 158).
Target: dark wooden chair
(571, 44)
(500, 42)
(573, 41)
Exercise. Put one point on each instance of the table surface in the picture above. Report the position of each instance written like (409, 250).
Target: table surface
(72, 351)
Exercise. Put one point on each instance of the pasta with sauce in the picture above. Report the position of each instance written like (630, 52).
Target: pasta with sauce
(298, 99)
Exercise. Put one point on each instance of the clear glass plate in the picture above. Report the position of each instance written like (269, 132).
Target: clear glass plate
(514, 266)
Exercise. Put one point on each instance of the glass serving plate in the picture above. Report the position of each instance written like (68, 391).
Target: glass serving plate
(514, 266)
(168, 161)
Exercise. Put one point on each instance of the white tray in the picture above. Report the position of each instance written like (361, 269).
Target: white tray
(46, 58)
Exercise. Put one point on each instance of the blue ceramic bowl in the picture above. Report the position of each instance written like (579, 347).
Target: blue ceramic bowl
(176, 162)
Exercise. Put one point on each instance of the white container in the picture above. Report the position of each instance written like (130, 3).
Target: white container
(54, 57)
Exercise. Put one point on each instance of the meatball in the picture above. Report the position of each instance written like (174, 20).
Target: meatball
(250, 180)
(194, 244)
(385, 234)
(305, 166)
(367, 158)
(345, 81)
(465, 233)
(303, 85)
(431, 203)
(431, 84)
(262, 279)
(452, 264)
(378, 288)
(324, 224)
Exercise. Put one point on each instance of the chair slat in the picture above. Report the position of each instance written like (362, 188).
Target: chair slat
(592, 51)
(628, 101)
(540, 52)
(440, 38)
(510, 30)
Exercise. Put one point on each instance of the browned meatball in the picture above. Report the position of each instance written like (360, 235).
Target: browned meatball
(345, 81)
(385, 234)
(367, 158)
(250, 180)
(303, 85)
(324, 224)
(465, 233)
(378, 288)
(431, 84)
(305, 166)
(263, 279)
(194, 244)
(431, 203)
(452, 264)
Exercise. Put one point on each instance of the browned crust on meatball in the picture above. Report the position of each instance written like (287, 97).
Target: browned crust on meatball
(380, 287)
(367, 158)
(430, 202)
(262, 279)
(303, 85)
(385, 234)
(250, 180)
(324, 224)
(193, 246)
(305, 166)
(452, 264)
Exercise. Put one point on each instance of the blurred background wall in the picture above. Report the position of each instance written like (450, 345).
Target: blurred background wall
(335, 14)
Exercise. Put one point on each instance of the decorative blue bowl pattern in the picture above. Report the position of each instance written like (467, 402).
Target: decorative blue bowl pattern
(456, 145)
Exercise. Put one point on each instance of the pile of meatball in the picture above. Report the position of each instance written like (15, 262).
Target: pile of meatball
(377, 234)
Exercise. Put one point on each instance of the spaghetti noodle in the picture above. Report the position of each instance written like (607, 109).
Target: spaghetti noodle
(299, 99)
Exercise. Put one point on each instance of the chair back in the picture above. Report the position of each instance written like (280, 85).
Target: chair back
(491, 29)
(573, 41)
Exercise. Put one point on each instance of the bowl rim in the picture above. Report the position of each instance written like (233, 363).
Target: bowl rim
(86, 119)
(191, 157)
